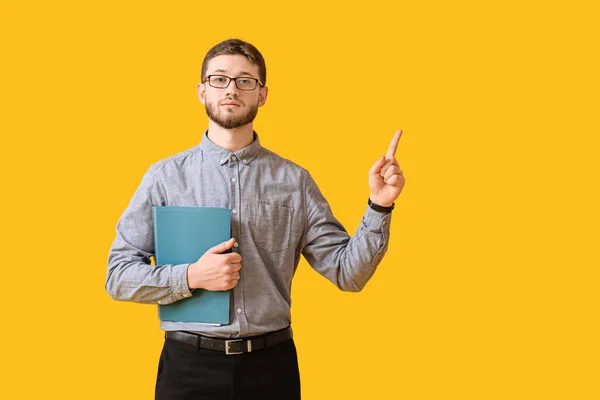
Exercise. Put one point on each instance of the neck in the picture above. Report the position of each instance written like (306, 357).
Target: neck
(231, 139)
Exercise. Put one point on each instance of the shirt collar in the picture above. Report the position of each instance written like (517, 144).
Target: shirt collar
(221, 155)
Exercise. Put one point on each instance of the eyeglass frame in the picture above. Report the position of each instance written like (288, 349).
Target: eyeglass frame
(258, 82)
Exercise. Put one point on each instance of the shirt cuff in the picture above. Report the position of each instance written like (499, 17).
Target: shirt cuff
(377, 221)
(179, 281)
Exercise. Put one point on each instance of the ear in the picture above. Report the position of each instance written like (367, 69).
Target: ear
(262, 96)
(202, 93)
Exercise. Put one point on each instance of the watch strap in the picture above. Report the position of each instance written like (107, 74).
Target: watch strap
(379, 208)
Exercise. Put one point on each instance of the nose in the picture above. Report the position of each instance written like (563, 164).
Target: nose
(231, 89)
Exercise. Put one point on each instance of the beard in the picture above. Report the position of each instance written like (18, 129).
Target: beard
(228, 120)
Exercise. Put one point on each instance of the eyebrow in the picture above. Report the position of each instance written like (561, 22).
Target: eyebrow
(240, 74)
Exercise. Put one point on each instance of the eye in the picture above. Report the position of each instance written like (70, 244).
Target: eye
(244, 81)
(219, 79)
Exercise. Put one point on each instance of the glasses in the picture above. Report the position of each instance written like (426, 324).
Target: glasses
(242, 83)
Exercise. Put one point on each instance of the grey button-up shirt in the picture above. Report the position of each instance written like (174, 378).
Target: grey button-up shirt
(277, 214)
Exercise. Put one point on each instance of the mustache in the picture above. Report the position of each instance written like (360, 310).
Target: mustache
(231, 98)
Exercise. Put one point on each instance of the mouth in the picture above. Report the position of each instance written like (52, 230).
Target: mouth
(230, 104)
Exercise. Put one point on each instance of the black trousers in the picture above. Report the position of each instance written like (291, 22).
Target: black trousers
(187, 373)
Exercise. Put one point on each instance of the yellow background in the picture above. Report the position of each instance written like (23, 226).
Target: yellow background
(490, 286)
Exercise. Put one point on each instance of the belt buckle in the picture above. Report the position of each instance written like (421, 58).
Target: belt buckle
(228, 342)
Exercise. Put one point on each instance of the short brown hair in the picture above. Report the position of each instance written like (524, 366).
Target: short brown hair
(236, 46)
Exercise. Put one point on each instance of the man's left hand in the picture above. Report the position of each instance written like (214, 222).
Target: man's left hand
(385, 177)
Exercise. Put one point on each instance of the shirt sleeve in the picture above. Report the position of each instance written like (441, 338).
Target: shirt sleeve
(348, 262)
(130, 276)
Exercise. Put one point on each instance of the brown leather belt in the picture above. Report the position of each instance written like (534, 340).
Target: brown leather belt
(231, 346)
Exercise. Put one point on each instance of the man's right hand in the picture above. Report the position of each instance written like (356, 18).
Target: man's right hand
(214, 270)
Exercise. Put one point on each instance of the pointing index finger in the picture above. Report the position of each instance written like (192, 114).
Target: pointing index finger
(393, 145)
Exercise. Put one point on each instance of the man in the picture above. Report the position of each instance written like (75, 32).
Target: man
(277, 214)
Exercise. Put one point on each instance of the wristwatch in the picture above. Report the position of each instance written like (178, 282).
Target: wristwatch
(379, 208)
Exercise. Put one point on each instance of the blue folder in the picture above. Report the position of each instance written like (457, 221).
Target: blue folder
(181, 236)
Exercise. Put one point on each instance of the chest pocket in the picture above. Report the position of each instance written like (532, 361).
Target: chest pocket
(273, 227)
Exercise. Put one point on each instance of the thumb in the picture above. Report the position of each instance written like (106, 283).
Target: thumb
(377, 166)
(222, 247)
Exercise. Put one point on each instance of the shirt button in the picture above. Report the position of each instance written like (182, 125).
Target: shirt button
(159, 302)
(233, 179)
(244, 160)
(186, 295)
(235, 244)
(234, 211)
(239, 310)
(233, 158)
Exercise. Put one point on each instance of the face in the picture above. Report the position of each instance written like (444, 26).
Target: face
(231, 107)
